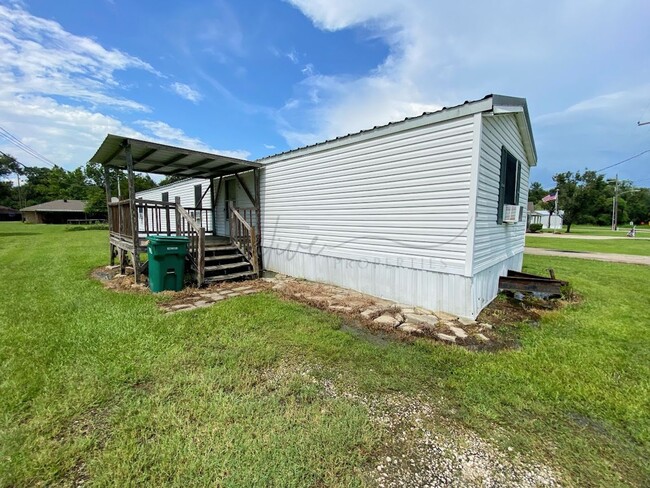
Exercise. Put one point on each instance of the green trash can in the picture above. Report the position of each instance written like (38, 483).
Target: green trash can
(166, 262)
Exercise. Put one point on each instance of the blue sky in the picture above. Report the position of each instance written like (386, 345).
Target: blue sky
(252, 78)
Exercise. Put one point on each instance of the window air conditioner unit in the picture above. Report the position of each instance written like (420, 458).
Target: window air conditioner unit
(512, 213)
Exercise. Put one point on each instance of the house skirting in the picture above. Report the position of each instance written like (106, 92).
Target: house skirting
(456, 294)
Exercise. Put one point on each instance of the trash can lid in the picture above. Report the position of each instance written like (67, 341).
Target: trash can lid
(168, 239)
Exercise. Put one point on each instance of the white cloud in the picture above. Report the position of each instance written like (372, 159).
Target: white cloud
(269, 146)
(186, 92)
(39, 56)
(164, 133)
(293, 57)
(54, 86)
(65, 134)
(442, 53)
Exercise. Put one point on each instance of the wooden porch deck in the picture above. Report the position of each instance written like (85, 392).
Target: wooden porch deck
(211, 258)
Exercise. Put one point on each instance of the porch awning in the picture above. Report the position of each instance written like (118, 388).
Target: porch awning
(151, 157)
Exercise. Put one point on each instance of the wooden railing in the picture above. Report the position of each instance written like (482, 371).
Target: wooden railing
(244, 237)
(203, 216)
(187, 226)
(162, 218)
(119, 218)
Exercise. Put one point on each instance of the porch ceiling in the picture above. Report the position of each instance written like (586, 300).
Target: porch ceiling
(151, 157)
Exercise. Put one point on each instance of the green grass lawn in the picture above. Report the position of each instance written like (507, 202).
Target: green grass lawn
(619, 246)
(101, 386)
(593, 230)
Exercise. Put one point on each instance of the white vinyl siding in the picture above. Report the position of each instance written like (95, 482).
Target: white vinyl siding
(493, 242)
(401, 199)
(242, 201)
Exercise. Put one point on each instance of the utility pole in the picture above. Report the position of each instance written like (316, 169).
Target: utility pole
(615, 206)
(643, 123)
(20, 195)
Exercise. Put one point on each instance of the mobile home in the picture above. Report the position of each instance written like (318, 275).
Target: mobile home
(428, 211)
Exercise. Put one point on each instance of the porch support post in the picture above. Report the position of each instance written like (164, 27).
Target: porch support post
(134, 212)
(258, 217)
(212, 213)
(216, 202)
(107, 187)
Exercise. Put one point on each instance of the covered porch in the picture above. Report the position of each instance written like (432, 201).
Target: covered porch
(132, 220)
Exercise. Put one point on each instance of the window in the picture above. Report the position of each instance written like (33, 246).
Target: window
(197, 195)
(165, 196)
(508, 183)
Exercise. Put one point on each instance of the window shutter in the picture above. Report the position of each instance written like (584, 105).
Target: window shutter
(502, 184)
(518, 182)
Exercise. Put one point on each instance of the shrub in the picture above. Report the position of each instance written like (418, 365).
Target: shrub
(535, 228)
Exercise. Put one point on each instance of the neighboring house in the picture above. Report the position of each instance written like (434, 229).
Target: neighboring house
(8, 213)
(54, 212)
(548, 221)
(428, 211)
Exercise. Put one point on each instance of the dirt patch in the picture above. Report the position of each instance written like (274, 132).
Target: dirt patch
(111, 278)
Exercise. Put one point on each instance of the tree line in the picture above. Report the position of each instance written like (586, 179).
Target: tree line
(586, 198)
(39, 185)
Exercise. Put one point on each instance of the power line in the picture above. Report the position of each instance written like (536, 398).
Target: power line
(624, 161)
(29, 150)
(21, 145)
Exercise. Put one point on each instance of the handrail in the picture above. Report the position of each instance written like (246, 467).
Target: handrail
(243, 236)
(186, 225)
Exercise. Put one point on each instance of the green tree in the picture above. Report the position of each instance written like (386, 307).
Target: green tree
(96, 193)
(583, 197)
(167, 180)
(536, 192)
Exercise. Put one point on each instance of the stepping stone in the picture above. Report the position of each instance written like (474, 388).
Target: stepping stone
(215, 296)
(369, 312)
(248, 292)
(485, 325)
(242, 288)
(466, 321)
(458, 332)
(446, 316)
(407, 310)
(399, 317)
(445, 337)
(481, 337)
(181, 306)
(409, 328)
(340, 308)
(423, 311)
(386, 320)
(426, 320)
(201, 304)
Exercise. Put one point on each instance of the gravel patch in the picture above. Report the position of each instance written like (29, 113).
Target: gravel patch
(422, 448)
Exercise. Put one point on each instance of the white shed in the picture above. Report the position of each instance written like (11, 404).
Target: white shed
(428, 211)
(553, 221)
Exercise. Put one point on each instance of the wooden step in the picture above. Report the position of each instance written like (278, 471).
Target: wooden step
(223, 267)
(231, 276)
(220, 248)
(223, 257)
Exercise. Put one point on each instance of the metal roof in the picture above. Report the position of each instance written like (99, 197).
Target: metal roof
(151, 157)
(57, 206)
(488, 102)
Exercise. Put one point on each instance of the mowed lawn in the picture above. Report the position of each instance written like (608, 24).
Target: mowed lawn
(638, 247)
(594, 230)
(101, 387)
